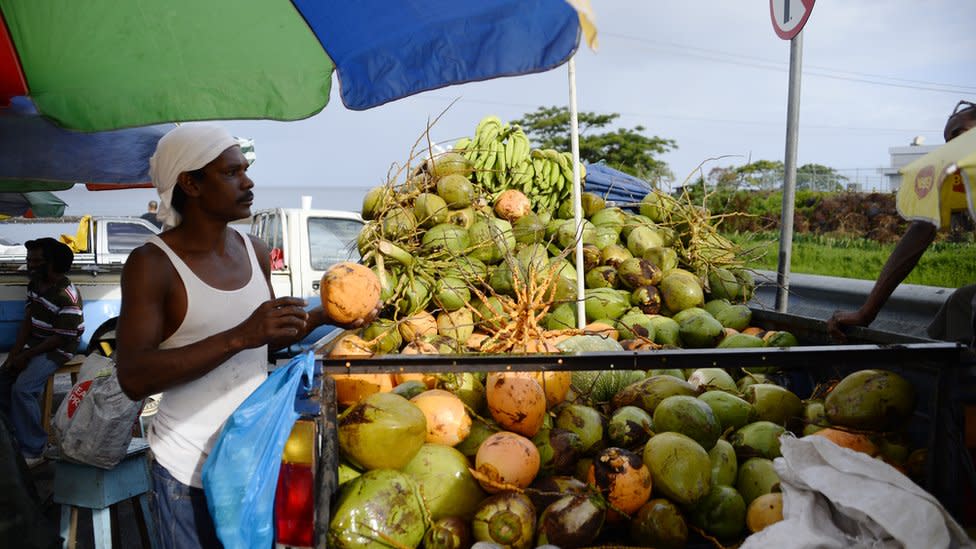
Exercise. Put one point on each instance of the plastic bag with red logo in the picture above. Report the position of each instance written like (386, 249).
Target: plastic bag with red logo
(93, 424)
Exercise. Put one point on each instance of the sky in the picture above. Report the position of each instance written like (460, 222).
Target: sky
(711, 75)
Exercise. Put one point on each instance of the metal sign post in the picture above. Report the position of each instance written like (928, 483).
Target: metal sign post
(789, 17)
(789, 182)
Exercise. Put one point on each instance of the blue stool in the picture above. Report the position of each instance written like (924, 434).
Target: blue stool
(77, 485)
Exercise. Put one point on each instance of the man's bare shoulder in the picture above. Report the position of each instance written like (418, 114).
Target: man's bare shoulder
(146, 266)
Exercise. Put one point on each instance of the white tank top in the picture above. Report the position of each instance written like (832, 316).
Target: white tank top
(191, 415)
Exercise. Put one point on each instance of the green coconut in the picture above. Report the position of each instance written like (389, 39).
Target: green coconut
(382, 431)
(603, 276)
(451, 293)
(721, 513)
(614, 254)
(457, 325)
(681, 291)
(666, 331)
(657, 206)
(700, 331)
(592, 204)
(643, 238)
(529, 229)
(774, 403)
(814, 417)
(606, 303)
(561, 317)
(635, 273)
(449, 163)
(463, 217)
(629, 427)
(725, 466)
(689, 416)
(660, 524)
(731, 411)
(385, 334)
(566, 234)
(648, 393)
(456, 191)
(712, 378)
(533, 259)
(647, 299)
(740, 341)
(756, 477)
(713, 306)
(586, 422)
(430, 210)
(737, 317)
(663, 258)
(506, 520)
(680, 468)
(448, 237)
(416, 295)
(635, 324)
(398, 223)
(757, 439)
(722, 284)
(613, 218)
(373, 200)
(445, 481)
(378, 505)
(491, 238)
(874, 400)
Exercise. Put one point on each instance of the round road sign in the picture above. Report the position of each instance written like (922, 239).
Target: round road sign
(789, 16)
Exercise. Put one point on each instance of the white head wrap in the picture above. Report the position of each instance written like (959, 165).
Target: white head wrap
(185, 148)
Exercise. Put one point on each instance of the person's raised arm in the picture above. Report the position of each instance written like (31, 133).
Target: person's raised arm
(317, 315)
(900, 263)
(144, 369)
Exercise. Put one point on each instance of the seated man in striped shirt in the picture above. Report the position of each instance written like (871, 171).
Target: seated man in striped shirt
(47, 338)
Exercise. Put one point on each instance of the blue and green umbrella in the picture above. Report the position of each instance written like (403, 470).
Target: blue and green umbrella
(103, 64)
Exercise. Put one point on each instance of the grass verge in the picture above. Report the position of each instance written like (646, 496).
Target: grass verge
(944, 264)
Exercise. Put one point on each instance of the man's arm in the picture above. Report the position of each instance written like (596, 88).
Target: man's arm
(317, 315)
(900, 263)
(144, 369)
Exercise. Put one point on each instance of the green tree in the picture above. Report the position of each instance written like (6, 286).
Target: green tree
(815, 177)
(627, 150)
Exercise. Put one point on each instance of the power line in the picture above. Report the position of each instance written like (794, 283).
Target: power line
(779, 66)
(710, 120)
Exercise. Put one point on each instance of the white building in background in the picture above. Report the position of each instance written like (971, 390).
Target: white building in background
(901, 157)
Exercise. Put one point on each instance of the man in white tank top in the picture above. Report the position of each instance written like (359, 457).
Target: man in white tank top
(198, 317)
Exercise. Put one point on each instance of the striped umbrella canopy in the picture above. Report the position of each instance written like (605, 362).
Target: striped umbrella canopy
(37, 155)
(104, 64)
(30, 204)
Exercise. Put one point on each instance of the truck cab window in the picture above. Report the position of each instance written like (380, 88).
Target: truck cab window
(125, 237)
(332, 240)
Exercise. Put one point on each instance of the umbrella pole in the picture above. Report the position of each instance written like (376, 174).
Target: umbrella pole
(577, 194)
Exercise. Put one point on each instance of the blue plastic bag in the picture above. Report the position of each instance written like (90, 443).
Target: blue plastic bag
(241, 473)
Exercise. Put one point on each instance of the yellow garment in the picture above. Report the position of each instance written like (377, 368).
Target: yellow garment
(587, 21)
(79, 241)
(940, 183)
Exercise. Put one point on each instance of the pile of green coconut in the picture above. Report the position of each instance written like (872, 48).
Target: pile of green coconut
(464, 269)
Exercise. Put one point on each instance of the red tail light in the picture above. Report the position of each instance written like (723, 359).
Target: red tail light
(294, 507)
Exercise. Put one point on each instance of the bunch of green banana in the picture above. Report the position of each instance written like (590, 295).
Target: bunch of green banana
(503, 159)
(552, 183)
(495, 151)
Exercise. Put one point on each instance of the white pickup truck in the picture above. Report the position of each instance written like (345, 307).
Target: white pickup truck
(304, 243)
(103, 244)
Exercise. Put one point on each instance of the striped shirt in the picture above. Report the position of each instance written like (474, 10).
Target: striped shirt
(55, 311)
